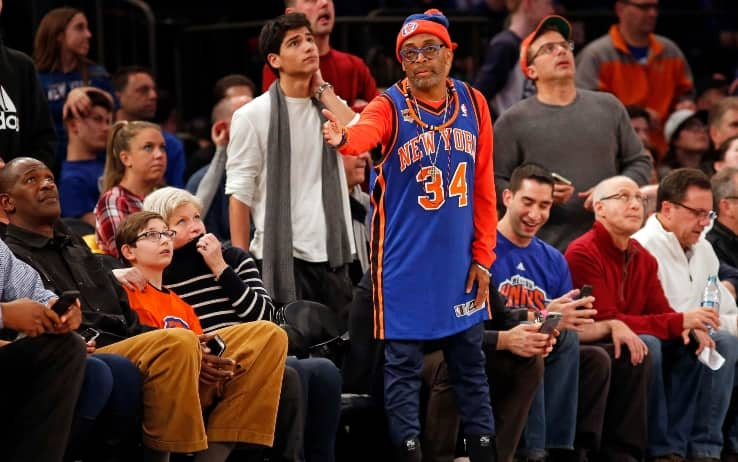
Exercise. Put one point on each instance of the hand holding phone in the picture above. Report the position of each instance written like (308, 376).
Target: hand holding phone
(560, 179)
(563, 189)
(585, 291)
(66, 300)
(216, 345)
(89, 334)
(214, 367)
(550, 323)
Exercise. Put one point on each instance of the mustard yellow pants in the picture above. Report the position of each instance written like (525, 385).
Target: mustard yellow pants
(244, 408)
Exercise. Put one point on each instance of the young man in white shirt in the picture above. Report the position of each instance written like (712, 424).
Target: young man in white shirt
(303, 235)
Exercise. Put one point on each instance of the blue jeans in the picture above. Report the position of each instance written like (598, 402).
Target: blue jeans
(676, 377)
(713, 400)
(321, 390)
(403, 365)
(112, 383)
(552, 419)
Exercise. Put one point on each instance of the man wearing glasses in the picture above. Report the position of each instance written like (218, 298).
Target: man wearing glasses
(433, 230)
(636, 319)
(583, 136)
(685, 261)
(637, 66)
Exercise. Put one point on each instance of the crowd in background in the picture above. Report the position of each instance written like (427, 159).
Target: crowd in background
(147, 227)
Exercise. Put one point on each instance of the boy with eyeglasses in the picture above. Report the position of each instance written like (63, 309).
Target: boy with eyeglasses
(582, 135)
(239, 386)
(433, 230)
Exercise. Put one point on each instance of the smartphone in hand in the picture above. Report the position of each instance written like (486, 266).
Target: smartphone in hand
(89, 334)
(550, 323)
(585, 291)
(66, 300)
(216, 345)
(560, 179)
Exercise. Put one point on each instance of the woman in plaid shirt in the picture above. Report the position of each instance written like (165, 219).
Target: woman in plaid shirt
(135, 164)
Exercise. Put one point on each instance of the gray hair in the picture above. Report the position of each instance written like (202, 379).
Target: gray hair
(722, 185)
(603, 187)
(166, 200)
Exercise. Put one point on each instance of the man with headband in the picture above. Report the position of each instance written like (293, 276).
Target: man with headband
(432, 230)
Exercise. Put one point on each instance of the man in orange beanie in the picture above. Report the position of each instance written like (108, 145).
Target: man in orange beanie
(433, 231)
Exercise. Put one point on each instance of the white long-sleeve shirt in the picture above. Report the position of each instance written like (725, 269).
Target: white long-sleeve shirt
(246, 173)
(684, 277)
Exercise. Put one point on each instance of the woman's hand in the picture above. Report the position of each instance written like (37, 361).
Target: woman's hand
(209, 247)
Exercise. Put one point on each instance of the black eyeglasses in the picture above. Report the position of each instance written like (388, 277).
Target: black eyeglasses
(411, 55)
(156, 236)
(642, 6)
(550, 48)
(626, 198)
(698, 213)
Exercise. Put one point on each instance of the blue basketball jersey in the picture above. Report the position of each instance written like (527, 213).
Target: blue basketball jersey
(422, 222)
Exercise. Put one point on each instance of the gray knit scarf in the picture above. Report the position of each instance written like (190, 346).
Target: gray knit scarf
(277, 270)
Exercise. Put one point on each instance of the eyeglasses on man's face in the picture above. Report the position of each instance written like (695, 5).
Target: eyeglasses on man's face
(411, 55)
(550, 48)
(697, 213)
(625, 198)
(156, 236)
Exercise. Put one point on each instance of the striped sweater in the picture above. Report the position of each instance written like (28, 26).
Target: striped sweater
(237, 296)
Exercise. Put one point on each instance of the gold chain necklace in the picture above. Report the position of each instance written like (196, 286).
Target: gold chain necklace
(423, 126)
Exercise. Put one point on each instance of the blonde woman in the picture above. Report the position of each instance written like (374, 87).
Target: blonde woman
(224, 288)
(135, 164)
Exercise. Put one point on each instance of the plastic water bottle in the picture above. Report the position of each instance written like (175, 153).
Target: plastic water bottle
(711, 296)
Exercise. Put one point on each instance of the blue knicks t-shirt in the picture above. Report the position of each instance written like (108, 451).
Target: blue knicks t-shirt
(423, 224)
(530, 276)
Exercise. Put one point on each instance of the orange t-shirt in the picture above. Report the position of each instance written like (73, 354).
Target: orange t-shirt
(163, 309)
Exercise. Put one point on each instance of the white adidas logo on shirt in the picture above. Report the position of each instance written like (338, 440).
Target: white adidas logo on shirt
(520, 267)
(8, 113)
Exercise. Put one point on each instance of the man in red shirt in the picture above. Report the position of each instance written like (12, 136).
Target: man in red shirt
(633, 312)
(348, 73)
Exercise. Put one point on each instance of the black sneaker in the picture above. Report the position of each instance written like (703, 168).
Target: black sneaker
(409, 451)
(481, 448)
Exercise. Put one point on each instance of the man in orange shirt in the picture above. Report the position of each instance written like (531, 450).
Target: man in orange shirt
(638, 66)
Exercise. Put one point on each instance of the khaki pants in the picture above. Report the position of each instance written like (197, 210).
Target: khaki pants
(245, 407)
